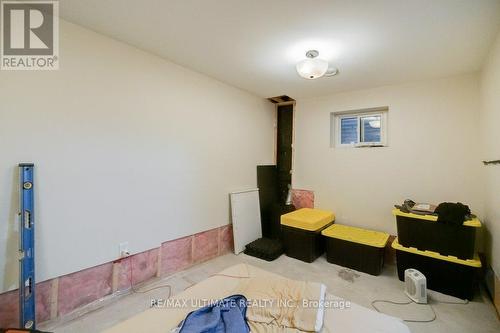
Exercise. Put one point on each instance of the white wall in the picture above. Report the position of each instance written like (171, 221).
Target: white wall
(432, 154)
(490, 119)
(127, 147)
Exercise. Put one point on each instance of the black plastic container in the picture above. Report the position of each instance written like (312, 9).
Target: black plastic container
(356, 248)
(302, 244)
(360, 257)
(425, 233)
(445, 274)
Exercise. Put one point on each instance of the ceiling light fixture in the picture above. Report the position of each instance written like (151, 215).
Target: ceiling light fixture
(314, 68)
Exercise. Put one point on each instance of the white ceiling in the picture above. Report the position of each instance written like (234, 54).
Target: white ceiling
(254, 44)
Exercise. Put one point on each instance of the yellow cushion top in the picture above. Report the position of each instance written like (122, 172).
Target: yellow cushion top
(433, 218)
(468, 262)
(308, 219)
(356, 235)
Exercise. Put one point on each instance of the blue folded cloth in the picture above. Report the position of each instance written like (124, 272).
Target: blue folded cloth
(224, 316)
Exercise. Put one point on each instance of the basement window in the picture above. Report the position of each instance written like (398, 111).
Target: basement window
(359, 128)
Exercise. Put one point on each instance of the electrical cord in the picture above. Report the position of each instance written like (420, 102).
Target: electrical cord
(406, 303)
(434, 315)
(232, 276)
(136, 291)
(235, 276)
(170, 287)
(224, 275)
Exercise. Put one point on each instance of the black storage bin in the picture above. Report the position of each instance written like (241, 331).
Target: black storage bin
(356, 248)
(302, 244)
(301, 233)
(423, 232)
(445, 274)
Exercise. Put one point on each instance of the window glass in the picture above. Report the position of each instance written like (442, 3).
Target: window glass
(370, 129)
(349, 130)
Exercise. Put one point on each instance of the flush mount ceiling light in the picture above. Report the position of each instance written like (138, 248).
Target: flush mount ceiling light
(314, 68)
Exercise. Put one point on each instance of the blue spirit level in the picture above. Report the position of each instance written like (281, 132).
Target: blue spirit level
(27, 248)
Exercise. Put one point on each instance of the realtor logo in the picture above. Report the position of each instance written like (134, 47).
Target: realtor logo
(29, 35)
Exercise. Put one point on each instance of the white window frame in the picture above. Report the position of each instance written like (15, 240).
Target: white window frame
(335, 127)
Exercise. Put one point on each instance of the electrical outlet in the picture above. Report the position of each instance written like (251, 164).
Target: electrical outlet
(124, 251)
